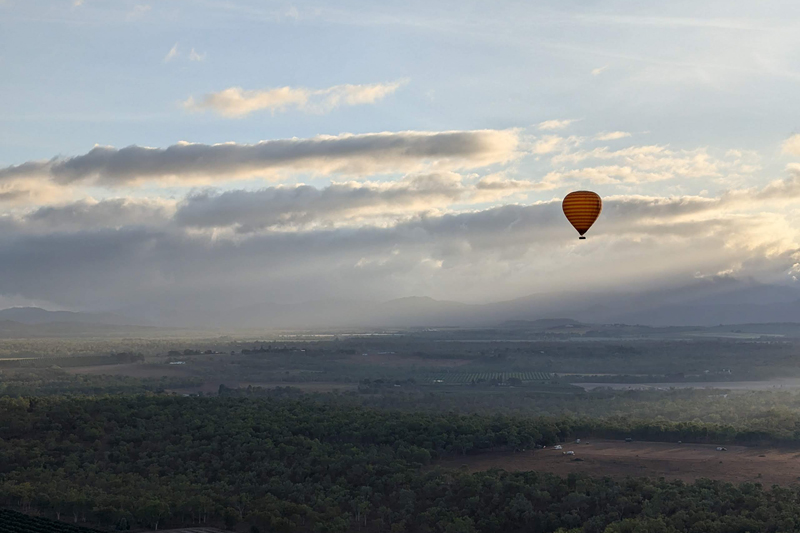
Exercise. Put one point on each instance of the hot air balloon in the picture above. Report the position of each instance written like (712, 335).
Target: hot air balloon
(581, 209)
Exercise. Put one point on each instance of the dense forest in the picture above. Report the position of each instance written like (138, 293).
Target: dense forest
(271, 464)
(691, 415)
(231, 437)
(54, 381)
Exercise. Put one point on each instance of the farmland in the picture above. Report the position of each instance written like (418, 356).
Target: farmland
(480, 377)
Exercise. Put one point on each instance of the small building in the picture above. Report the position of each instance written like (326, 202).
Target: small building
(177, 362)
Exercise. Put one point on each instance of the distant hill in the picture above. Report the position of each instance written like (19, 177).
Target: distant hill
(16, 330)
(37, 315)
(34, 322)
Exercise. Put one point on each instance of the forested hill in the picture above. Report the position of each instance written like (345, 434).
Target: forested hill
(285, 465)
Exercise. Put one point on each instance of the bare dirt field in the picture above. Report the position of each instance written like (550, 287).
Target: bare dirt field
(619, 459)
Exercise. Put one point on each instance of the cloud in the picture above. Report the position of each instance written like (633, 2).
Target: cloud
(555, 124)
(194, 56)
(489, 253)
(548, 144)
(236, 102)
(427, 232)
(791, 146)
(23, 191)
(186, 163)
(339, 204)
(611, 135)
(91, 215)
(599, 70)
(494, 183)
(138, 11)
(304, 205)
(172, 54)
(649, 163)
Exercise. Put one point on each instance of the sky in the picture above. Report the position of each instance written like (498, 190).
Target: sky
(226, 153)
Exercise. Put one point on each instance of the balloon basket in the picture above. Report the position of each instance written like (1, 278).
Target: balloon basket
(581, 238)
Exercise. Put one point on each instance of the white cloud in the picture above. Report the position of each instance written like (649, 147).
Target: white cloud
(292, 13)
(194, 56)
(611, 135)
(172, 54)
(649, 162)
(599, 70)
(138, 11)
(791, 146)
(548, 144)
(187, 163)
(555, 124)
(236, 102)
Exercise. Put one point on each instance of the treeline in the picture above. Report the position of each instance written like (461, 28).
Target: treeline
(54, 381)
(72, 361)
(754, 417)
(768, 427)
(300, 465)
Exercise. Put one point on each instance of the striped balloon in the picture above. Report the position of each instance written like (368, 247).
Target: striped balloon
(582, 208)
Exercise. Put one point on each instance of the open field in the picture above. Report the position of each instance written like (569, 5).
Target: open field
(620, 459)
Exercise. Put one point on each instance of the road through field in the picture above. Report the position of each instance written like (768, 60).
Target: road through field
(649, 459)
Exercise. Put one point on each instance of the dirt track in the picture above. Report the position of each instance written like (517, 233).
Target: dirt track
(649, 459)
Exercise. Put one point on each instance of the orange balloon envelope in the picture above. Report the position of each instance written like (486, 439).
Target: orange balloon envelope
(582, 208)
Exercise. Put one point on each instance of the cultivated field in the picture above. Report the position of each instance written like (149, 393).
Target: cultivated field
(399, 360)
(134, 370)
(305, 386)
(469, 377)
(649, 459)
